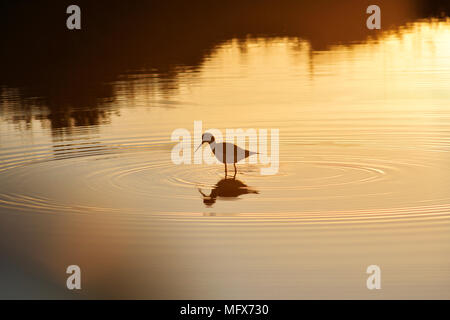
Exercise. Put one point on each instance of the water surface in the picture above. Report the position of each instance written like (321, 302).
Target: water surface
(363, 178)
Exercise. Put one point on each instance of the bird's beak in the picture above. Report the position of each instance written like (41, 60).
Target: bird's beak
(199, 146)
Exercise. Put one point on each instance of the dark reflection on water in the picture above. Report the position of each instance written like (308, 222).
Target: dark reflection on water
(227, 188)
(67, 77)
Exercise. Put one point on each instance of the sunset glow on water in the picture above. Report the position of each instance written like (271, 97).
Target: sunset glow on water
(363, 178)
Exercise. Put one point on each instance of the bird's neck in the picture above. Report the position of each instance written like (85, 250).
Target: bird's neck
(212, 145)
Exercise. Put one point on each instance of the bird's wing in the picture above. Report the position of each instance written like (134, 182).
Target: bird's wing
(234, 153)
(247, 153)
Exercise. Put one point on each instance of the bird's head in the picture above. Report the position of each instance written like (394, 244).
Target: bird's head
(206, 138)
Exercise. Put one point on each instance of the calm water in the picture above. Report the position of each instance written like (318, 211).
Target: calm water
(363, 178)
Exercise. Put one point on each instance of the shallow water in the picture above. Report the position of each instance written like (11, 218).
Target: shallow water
(363, 178)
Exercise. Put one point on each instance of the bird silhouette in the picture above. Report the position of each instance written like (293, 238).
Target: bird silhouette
(226, 188)
(225, 152)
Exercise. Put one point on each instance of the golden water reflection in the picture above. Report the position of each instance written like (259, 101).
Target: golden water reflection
(364, 162)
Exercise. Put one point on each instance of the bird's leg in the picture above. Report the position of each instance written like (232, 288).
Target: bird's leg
(225, 170)
(235, 170)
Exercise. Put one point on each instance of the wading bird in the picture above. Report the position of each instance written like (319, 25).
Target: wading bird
(225, 152)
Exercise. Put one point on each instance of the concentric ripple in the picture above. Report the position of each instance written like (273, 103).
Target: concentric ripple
(352, 184)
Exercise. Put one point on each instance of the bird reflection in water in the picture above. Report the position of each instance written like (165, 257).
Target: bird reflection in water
(227, 188)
